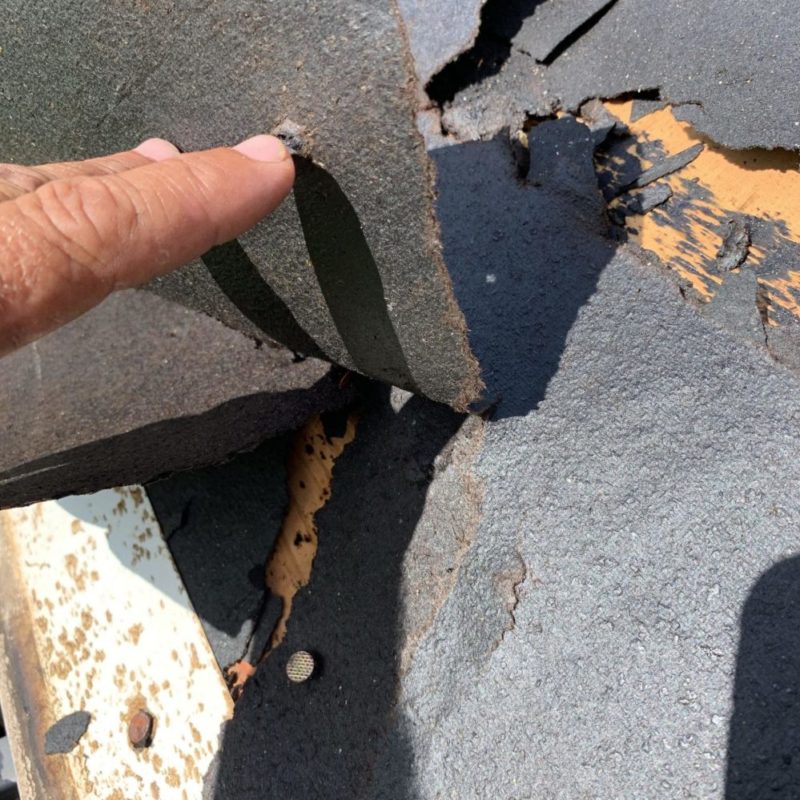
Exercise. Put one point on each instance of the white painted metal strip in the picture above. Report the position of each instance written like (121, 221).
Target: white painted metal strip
(113, 632)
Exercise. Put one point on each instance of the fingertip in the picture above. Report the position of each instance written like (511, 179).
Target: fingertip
(157, 149)
(263, 148)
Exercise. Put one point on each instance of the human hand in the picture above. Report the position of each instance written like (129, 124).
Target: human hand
(72, 233)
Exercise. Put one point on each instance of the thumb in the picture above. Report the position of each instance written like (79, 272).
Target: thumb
(65, 246)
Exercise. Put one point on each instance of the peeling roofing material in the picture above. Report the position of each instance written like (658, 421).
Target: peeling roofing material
(591, 588)
(438, 32)
(125, 393)
(351, 262)
(727, 210)
(729, 65)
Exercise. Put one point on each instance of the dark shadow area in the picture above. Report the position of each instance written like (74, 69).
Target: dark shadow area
(323, 738)
(158, 449)
(241, 282)
(500, 22)
(578, 32)
(764, 737)
(524, 255)
(348, 276)
(139, 387)
(221, 523)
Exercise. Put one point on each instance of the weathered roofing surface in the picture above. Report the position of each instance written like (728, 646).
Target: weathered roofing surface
(731, 65)
(138, 388)
(588, 593)
(350, 267)
(547, 603)
(591, 589)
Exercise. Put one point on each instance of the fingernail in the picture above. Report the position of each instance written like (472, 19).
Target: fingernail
(263, 148)
(157, 149)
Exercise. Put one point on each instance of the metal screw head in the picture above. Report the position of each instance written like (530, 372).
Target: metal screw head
(141, 729)
(300, 666)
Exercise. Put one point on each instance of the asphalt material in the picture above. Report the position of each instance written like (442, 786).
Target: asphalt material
(221, 523)
(438, 33)
(559, 602)
(590, 591)
(652, 499)
(729, 64)
(90, 77)
(139, 388)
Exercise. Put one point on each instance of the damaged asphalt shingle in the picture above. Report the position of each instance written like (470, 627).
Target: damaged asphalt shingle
(638, 479)
(138, 388)
(554, 22)
(353, 255)
(731, 65)
(650, 491)
(439, 32)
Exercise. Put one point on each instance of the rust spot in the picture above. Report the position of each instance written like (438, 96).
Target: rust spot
(172, 778)
(77, 575)
(135, 631)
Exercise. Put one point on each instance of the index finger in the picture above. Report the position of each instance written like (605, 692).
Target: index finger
(68, 244)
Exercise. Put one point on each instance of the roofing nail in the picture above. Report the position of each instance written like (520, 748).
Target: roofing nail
(141, 729)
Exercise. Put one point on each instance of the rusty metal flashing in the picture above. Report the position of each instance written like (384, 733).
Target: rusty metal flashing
(94, 618)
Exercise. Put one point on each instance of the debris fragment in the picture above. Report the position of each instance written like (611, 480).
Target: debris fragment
(639, 202)
(237, 675)
(666, 167)
(760, 188)
(64, 735)
(735, 245)
(600, 121)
